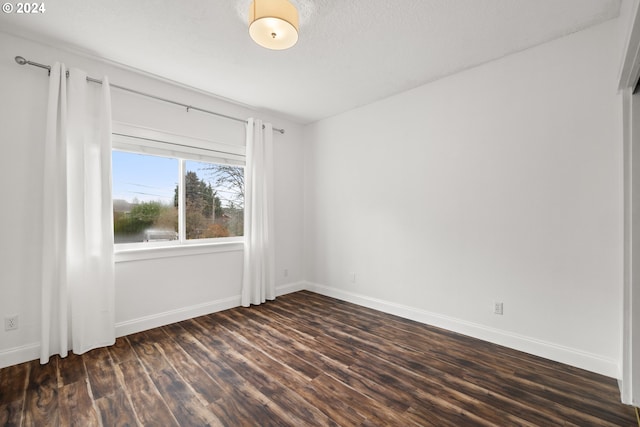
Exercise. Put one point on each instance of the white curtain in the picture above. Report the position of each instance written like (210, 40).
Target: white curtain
(258, 280)
(77, 258)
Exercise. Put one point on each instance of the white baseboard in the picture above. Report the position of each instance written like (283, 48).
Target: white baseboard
(570, 356)
(162, 319)
(559, 353)
(172, 316)
(26, 353)
(16, 355)
(290, 288)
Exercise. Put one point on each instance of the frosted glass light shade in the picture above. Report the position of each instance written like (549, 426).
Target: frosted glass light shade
(273, 23)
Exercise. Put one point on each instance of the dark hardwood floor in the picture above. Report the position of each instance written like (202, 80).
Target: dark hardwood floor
(306, 360)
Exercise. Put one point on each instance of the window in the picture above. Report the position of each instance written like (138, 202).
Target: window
(143, 197)
(214, 200)
(165, 196)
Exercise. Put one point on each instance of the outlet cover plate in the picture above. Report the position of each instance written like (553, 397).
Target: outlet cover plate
(11, 323)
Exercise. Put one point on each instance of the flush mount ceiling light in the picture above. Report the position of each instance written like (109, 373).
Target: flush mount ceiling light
(273, 23)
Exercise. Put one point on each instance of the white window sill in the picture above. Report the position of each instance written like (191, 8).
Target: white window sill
(156, 252)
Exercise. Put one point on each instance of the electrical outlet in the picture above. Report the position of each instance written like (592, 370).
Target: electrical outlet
(10, 323)
(352, 276)
(498, 308)
(286, 272)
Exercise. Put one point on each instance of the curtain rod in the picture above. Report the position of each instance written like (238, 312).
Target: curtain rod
(20, 60)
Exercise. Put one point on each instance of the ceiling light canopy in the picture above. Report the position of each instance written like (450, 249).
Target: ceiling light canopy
(273, 23)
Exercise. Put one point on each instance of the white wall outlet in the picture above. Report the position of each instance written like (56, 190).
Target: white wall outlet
(498, 308)
(352, 277)
(286, 272)
(10, 323)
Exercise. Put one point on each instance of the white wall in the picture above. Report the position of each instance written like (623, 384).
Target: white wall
(500, 183)
(148, 292)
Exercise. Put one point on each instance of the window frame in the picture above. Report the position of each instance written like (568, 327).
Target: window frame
(146, 141)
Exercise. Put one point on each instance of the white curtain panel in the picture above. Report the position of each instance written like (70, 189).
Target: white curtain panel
(77, 258)
(258, 280)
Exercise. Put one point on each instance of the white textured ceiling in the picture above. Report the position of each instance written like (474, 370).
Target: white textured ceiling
(350, 52)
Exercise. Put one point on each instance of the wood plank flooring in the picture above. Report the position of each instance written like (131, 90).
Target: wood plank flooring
(305, 360)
